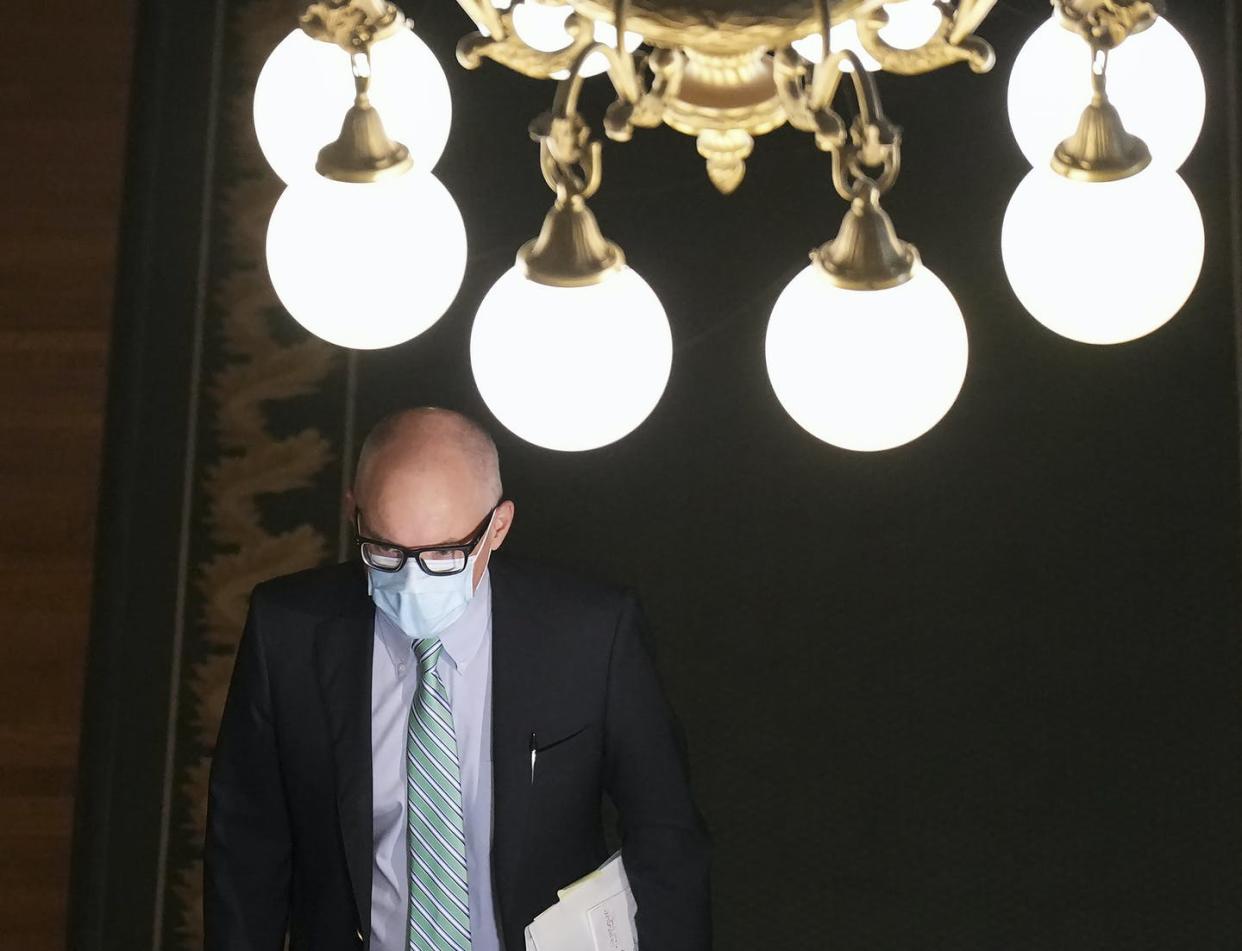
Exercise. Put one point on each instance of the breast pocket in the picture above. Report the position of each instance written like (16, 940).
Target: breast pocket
(566, 788)
(545, 741)
(563, 752)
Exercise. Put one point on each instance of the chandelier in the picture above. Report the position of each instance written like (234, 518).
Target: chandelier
(866, 347)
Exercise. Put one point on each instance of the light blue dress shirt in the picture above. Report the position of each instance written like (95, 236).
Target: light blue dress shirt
(465, 666)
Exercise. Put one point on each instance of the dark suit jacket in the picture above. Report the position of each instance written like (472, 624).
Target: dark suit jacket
(289, 828)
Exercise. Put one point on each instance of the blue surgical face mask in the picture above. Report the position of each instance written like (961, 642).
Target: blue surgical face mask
(424, 605)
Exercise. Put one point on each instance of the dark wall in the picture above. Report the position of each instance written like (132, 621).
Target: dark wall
(976, 692)
(62, 125)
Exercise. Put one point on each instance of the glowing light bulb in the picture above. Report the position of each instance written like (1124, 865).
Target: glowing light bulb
(866, 370)
(1105, 262)
(542, 26)
(1154, 80)
(366, 266)
(571, 368)
(306, 86)
(911, 23)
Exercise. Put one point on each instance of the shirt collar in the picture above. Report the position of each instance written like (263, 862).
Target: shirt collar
(461, 639)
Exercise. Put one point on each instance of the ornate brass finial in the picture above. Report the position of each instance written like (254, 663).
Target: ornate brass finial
(1106, 24)
(353, 25)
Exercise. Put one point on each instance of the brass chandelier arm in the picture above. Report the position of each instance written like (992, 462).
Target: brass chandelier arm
(809, 105)
(867, 254)
(872, 141)
(636, 103)
(486, 17)
(826, 82)
(953, 41)
(646, 109)
(968, 17)
(621, 70)
(570, 250)
(852, 177)
(570, 158)
(498, 40)
(869, 142)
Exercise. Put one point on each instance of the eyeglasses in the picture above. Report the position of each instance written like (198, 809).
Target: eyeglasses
(437, 560)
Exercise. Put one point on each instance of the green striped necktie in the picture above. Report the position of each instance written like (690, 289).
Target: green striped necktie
(439, 912)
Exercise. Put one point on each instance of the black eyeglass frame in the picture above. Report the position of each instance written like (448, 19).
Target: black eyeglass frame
(466, 548)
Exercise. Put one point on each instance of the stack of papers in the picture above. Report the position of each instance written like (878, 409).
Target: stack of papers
(595, 913)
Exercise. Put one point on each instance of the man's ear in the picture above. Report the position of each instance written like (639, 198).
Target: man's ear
(504, 521)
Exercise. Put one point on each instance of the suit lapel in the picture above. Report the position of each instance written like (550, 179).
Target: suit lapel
(343, 654)
(517, 660)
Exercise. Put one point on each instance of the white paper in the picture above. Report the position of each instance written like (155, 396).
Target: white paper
(595, 913)
(612, 923)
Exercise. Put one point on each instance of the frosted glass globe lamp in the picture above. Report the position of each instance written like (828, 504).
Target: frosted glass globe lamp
(571, 349)
(1104, 244)
(1154, 81)
(365, 193)
(406, 247)
(305, 87)
(866, 348)
(1103, 262)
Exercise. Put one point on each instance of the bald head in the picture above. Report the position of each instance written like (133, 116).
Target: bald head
(425, 476)
(428, 438)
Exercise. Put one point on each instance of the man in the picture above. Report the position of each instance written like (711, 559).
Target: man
(427, 775)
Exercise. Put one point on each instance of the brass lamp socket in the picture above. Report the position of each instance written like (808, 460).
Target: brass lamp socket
(866, 254)
(570, 251)
(1101, 150)
(353, 25)
(363, 152)
(1106, 24)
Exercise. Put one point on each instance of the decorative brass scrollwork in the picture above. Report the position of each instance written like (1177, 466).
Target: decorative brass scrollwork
(352, 25)
(953, 41)
(1106, 24)
(716, 66)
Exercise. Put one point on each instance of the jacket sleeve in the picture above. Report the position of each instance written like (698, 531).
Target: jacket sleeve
(665, 843)
(247, 852)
